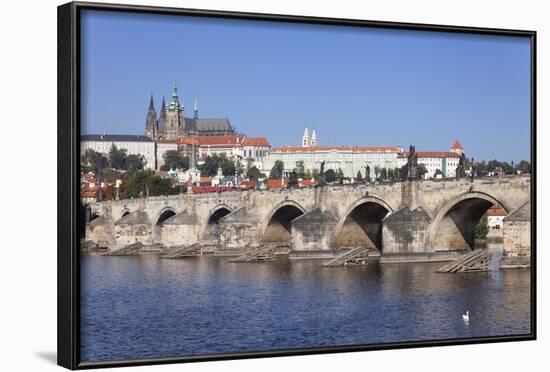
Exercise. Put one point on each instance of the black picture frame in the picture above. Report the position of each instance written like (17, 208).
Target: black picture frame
(68, 338)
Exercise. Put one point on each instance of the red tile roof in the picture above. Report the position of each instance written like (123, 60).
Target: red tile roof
(431, 154)
(495, 211)
(205, 179)
(220, 141)
(247, 185)
(256, 141)
(337, 148)
(205, 189)
(308, 182)
(277, 183)
(457, 145)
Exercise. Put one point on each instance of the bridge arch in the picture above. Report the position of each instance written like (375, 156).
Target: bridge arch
(454, 224)
(164, 214)
(211, 230)
(361, 224)
(124, 213)
(277, 227)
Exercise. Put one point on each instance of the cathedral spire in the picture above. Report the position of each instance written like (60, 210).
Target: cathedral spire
(305, 138)
(313, 141)
(151, 103)
(196, 110)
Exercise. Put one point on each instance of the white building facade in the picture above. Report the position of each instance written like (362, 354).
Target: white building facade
(444, 161)
(133, 144)
(350, 159)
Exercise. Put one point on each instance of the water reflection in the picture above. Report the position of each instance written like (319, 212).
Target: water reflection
(136, 307)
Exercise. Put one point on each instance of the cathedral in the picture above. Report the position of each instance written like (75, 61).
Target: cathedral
(172, 124)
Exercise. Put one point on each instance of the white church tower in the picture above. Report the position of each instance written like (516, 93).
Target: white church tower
(305, 138)
(313, 141)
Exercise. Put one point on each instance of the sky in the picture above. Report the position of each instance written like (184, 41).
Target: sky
(355, 86)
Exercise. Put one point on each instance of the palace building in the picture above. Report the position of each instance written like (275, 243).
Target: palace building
(171, 123)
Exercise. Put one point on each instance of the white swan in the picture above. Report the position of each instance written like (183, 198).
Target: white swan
(466, 317)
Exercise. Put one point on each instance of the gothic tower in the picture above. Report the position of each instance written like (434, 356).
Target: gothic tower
(174, 121)
(151, 120)
(305, 138)
(196, 111)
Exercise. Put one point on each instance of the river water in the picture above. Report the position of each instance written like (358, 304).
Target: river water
(144, 307)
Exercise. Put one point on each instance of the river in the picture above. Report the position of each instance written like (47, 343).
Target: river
(146, 307)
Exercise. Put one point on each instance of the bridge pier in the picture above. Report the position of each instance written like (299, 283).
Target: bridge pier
(312, 235)
(517, 237)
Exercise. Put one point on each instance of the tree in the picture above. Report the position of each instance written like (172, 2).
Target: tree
(95, 160)
(117, 157)
(339, 174)
(330, 175)
(376, 171)
(213, 162)
(383, 174)
(174, 159)
(315, 174)
(134, 163)
(391, 173)
(482, 228)
(359, 176)
(137, 184)
(300, 169)
(110, 175)
(146, 183)
(524, 166)
(422, 170)
(277, 170)
(254, 173)
(308, 175)
(438, 172)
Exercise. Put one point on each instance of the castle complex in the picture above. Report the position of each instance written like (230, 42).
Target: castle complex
(172, 124)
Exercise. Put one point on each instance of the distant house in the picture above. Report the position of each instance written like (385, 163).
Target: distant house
(495, 217)
(279, 183)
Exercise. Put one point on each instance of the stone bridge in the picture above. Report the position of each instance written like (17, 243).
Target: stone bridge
(415, 218)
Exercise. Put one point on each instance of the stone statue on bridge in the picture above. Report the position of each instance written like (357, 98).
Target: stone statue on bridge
(412, 163)
(367, 173)
(322, 174)
(460, 170)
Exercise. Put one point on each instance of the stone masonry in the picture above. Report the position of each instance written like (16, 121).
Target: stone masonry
(414, 217)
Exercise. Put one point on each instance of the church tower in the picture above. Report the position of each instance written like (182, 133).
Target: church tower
(196, 110)
(305, 138)
(151, 120)
(162, 120)
(174, 122)
(313, 141)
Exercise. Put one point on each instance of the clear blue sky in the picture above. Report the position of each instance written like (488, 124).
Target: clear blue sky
(356, 86)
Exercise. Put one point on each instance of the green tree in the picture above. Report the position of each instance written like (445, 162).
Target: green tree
(254, 173)
(438, 172)
(315, 174)
(95, 160)
(308, 175)
(359, 176)
(134, 163)
(339, 174)
(383, 174)
(300, 169)
(147, 184)
(213, 162)
(110, 175)
(422, 170)
(117, 157)
(376, 171)
(277, 170)
(137, 184)
(391, 173)
(482, 228)
(330, 175)
(174, 159)
(524, 166)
